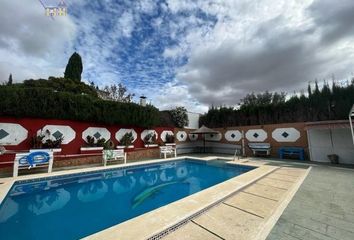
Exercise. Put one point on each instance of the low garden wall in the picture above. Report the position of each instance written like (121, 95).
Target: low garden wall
(228, 139)
(16, 134)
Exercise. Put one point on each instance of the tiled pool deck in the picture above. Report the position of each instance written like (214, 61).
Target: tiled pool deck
(322, 207)
(249, 214)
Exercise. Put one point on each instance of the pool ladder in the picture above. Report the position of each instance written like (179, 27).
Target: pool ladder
(237, 155)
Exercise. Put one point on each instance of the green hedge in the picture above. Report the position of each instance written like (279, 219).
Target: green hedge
(60, 85)
(319, 105)
(46, 103)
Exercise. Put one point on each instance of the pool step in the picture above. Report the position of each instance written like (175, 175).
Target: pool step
(244, 215)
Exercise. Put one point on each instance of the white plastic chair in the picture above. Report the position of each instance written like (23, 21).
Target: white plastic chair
(168, 150)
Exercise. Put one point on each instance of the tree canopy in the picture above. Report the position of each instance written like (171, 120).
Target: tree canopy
(179, 116)
(9, 82)
(118, 93)
(329, 103)
(263, 99)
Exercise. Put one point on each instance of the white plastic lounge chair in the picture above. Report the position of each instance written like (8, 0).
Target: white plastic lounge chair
(260, 148)
(34, 159)
(168, 150)
(114, 155)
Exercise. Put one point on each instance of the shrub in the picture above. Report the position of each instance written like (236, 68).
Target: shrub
(170, 138)
(127, 139)
(101, 142)
(60, 85)
(91, 142)
(108, 145)
(47, 103)
(150, 138)
(37, 141)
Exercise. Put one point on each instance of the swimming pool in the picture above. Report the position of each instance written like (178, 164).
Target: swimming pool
(75, 206)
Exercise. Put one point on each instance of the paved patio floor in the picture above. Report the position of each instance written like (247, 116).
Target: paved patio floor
(244, 215)
(323, 208)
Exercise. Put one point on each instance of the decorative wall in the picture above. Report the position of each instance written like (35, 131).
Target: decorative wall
(256, 135)
(164, 133)
(233, 135)
(278, 135)
(12, 134)
(57, 131)
(285, 135)
(213, 137)
(123, 131)
(193, 137)
(148, 131)
(181, 136)
(97, 133)
(16, 134)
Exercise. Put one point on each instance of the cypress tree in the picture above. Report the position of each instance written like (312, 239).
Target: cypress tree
(10, 80)
(74, 68)
(309, 91)
(317, 90)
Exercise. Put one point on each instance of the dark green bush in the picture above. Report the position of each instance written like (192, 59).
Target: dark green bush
(60, 85)
(328, 103)
(48, 103)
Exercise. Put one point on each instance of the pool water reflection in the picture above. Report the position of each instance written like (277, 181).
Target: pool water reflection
(79, 205)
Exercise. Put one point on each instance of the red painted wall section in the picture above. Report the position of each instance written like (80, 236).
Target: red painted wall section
(33, 125)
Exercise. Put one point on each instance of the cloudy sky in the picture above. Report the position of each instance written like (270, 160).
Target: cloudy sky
(181, 52)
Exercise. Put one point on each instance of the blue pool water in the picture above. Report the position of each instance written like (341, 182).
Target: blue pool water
(74, 206)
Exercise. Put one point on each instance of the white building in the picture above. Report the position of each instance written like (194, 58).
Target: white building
(330, 137)
(193, 119)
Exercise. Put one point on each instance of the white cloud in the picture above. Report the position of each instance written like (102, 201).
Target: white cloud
(257, 46)
(191, 53)
(181, 5)
(31, 44)
(173, 95)
(173, 52)
(147, 6)
(126, 23)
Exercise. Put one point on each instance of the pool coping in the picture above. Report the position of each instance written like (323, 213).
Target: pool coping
(166, 216)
